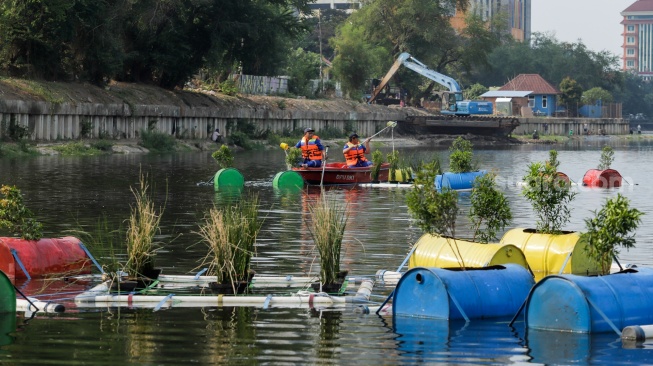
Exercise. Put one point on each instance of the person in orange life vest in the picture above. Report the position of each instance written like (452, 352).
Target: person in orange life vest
(355, 152)
(311, 149)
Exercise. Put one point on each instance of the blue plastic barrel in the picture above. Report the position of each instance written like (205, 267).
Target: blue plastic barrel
(474, 293)
(457, 181)
(583, 304)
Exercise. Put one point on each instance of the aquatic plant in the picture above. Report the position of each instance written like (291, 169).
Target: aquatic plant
(607, 157)
(143, 225)
(377, 160)
(16, 217)
(490, 210)
(550, 197)
(609, 229)
(553, 159)
(328, 221)
(461, 156)
(230, 235)
(293, 157)
(223, 157)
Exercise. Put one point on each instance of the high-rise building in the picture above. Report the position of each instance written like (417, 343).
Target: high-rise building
(518, 14)
(638, 38)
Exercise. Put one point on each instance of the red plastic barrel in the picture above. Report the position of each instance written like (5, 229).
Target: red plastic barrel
(43, 257)
(608, 178)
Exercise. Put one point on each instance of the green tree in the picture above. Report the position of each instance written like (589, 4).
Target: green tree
(16, 217)
(592, 96)
(571, 94)
(610, 229)
(355, 59)
(490, 211)
(302, 67)
(607, 157)
(461, 156)
(550, 197)
(435, 212)
(475, 91)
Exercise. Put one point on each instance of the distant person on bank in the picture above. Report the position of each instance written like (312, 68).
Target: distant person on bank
(355, 151)
(312, 148)
(217, 137)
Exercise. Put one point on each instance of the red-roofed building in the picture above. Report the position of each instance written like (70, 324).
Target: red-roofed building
(542, 96)
(638, 38)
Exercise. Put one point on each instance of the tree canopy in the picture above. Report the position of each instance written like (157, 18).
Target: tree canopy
(161, 42)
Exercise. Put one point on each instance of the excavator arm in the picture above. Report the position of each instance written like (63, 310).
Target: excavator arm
(412, 63)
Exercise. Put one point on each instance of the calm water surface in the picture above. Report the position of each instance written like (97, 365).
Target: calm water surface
(71, 192)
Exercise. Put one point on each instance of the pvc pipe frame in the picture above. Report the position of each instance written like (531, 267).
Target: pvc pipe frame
(98, 297)
(38, 305)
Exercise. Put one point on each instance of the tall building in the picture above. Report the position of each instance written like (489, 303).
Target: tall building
(638, 38)
(335, 4)
(518, 14)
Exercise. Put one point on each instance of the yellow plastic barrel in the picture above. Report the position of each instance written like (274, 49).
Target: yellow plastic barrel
(441, 252)
(548, 253)
(402, 176)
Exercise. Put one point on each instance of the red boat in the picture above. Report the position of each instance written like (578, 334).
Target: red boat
(340, 173)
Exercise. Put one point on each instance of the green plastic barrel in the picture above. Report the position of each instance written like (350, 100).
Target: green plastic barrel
(288, 180)
(228, 177)
(7, 295)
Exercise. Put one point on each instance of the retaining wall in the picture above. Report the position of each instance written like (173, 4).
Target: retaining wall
(47, 121)
(562, 126)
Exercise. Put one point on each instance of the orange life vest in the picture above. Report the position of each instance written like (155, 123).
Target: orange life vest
(310, 150)
(355, 154)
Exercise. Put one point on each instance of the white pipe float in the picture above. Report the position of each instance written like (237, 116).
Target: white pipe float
(637, 333)
(99, 297)
(34, 305)
(389, 277)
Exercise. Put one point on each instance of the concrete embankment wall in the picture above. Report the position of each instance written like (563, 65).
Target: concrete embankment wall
(48, 121)
(562, 126)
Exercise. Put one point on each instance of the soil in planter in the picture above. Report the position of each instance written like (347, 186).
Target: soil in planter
(228, 289)
(329, 288)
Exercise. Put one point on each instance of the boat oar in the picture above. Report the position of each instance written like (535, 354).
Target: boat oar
(390, 124)
(326, 151)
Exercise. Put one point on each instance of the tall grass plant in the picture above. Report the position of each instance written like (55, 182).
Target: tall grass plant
(328, 221)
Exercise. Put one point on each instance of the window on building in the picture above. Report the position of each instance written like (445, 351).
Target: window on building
(544, 101)
(630, 28)
(630, 40)
(630, 52)
(531, 101)
(630, 63)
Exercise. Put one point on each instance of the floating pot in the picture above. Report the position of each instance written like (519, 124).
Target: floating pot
(228, 177)
(43, 257)
(436, 251)
(608, 178)
(552, 253)
(457, 181)
(288, 180)
(474, 293)
(596, 304)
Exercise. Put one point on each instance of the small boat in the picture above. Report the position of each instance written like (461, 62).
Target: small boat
(340, 173)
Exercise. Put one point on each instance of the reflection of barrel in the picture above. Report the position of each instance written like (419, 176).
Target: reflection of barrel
(571, 303)
(458, 181)
(43, 257)
(549, 253)
(288, 180)
(608, 178)
(456, 294)
(442, 252)
(228, 177)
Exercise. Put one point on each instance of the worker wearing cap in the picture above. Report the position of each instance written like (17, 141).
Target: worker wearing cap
(355, 151)
(311, 147)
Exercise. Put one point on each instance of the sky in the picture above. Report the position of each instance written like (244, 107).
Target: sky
(595, 22)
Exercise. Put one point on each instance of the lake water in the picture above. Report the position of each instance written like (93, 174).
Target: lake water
(70, 192)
